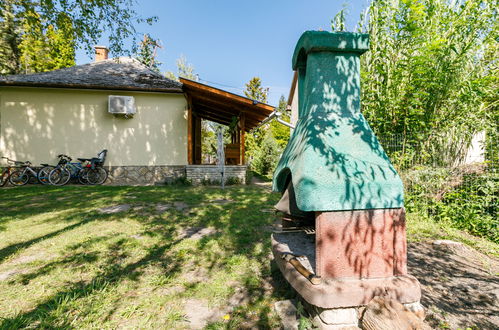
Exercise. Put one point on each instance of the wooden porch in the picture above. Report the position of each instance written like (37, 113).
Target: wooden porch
(238, 112)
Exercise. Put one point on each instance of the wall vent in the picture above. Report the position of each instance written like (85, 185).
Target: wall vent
(121, 105)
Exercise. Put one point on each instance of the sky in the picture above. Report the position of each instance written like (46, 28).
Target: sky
(229, 42)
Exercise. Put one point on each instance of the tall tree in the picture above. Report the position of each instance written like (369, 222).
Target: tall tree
(425, 77)
(279, 131)
(147, 52)
(80, 22)
(184, 70)
(255, 91)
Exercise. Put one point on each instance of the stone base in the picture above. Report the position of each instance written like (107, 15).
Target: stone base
(342, 292)
(349, 318)
(151, 175)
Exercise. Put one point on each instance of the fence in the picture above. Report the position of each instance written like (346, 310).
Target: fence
(460, 188)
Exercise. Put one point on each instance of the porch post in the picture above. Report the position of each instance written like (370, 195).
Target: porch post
(190, 153)
(241, 139)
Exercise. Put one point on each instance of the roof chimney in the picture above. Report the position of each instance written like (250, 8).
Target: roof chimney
(101, 53)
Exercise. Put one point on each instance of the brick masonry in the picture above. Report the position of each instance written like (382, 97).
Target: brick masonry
(150, 175)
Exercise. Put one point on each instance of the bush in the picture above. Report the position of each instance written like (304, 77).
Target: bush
(266, 157)
(466, 197)
(179, 181)
(232, 181)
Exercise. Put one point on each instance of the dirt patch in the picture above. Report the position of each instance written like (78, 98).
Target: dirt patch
(6, 275)
(199, 314)
(180, 206)
(161, 208)
(220, 201)
(196, 232)
(459, 288)
(115, 209)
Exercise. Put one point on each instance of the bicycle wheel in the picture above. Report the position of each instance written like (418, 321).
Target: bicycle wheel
(43, 174)
(83, 176)
(59, 176)
(4, 177)
(18, 178)
(97, 175)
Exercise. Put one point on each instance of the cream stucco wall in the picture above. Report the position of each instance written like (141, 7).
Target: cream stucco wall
(38, 124)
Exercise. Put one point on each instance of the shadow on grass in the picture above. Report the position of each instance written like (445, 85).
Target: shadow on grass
(11, 249)
(241, 228)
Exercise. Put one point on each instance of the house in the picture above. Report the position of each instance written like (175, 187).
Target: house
(68, 111)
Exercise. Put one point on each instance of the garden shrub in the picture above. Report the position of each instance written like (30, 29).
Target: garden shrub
(465, 197)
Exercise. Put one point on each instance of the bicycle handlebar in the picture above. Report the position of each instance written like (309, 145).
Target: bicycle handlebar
(17, 162)
(65, 156)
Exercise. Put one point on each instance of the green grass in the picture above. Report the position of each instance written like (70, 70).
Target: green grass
(63, 264)
(423, 228)
(66, 265)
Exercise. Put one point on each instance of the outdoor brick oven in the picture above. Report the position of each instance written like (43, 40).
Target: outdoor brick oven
(343, 238)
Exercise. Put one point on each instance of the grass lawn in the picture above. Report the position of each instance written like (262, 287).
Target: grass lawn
(179, 257)
(65, 264)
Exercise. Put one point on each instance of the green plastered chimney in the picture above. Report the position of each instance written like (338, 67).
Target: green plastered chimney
(333, 158)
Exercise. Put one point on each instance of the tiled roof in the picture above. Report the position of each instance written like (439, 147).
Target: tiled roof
(122, 73)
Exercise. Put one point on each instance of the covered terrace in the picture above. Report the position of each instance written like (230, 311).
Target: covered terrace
(209, 103)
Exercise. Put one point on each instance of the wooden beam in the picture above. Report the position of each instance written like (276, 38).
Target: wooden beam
(190, 151)
(222, 105)
(213, 117)
(196, 86)
(216, 116)
(242, 122)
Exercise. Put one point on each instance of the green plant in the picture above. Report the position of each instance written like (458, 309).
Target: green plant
(180, 181)
(232, 180)
(249, 176)
(430, 75)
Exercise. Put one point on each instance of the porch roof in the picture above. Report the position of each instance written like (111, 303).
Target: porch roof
(221, 106)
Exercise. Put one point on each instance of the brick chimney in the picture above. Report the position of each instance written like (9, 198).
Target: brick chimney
(101, 53)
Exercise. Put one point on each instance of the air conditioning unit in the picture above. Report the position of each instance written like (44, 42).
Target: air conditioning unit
(121, 105)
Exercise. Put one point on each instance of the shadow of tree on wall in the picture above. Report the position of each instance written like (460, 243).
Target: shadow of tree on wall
(39, 124)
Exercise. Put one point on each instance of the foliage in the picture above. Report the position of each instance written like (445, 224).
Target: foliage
(266, 156)
(180, 181)
(63, 23)
(255, 90)
(265, 144)
(279, 131)
(184, 70)
(465, 197)
(9, 39)
(426, 72)
(147, 52)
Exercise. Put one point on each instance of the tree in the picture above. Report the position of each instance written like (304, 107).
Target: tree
(184, 70)
(51, 49)
(255, 91)
(425, 78)
(261, 146)
(9, 39)
(82, 23)
(147, 52)
(279, 131)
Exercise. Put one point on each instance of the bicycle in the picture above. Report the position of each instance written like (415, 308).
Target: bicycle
(6, 171)
(43, 174)
(94, 172)
(65, 171)
(21, 176)
(88, 171)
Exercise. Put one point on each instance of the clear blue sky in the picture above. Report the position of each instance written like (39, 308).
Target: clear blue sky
(229, 41)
